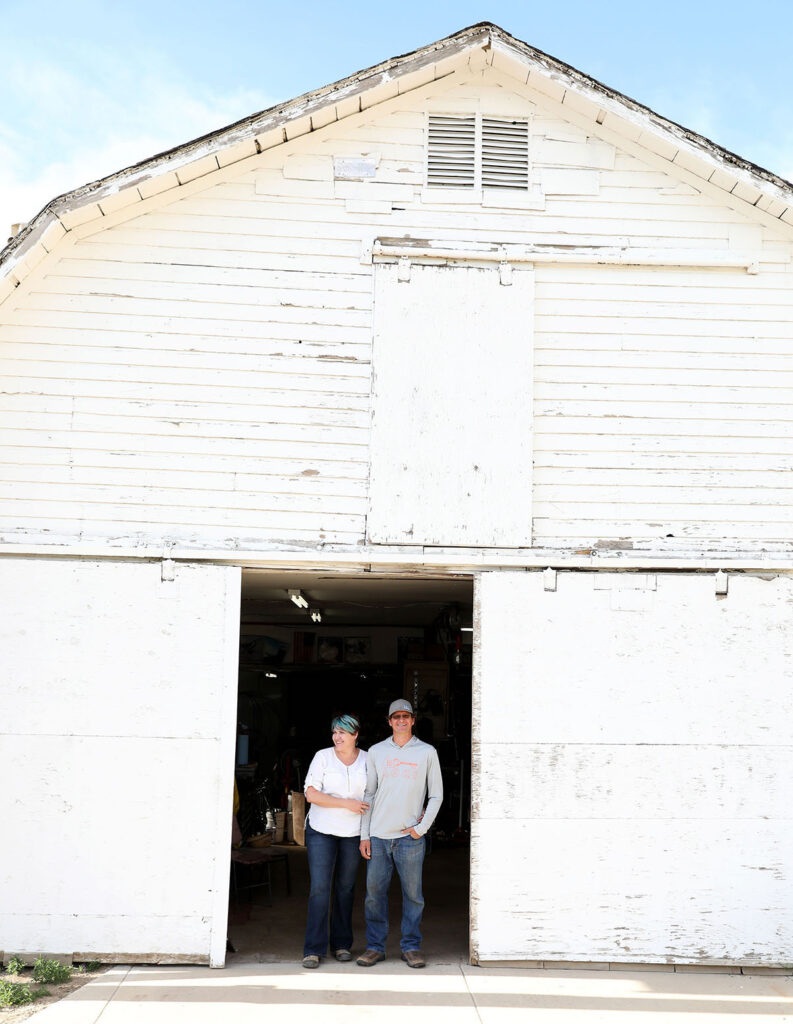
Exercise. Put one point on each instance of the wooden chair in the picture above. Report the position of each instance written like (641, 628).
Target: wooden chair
(256, 862)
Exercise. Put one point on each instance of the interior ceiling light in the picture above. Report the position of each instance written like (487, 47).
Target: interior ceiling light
(466, 629)
(297, 597)
(316, 615)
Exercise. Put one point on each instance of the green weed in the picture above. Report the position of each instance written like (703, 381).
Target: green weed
(15, 966)
(88, 967)
(14, 994)
(51, 971)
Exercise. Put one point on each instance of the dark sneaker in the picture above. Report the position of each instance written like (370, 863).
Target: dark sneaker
(344, 955)
(370, 958)
(311, 961)
(413, 958)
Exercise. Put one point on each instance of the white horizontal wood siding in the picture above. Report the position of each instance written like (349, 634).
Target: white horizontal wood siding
(117, 754)
(664, 407)
(631, 800)
(200, 372)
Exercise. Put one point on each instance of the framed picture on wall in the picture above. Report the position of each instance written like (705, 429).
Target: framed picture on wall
(261, 650)
(330, 650)
(357, 650)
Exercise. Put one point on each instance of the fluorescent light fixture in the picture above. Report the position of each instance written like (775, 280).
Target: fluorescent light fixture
(316, 615)
(297, 597)
(271, 675)
(466, 629)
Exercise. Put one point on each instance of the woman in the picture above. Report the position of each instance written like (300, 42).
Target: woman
(334, 787)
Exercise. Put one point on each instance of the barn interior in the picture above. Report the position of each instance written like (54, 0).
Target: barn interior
(313, 645)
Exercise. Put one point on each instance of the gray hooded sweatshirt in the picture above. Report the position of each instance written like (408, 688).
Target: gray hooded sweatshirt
(398, 779)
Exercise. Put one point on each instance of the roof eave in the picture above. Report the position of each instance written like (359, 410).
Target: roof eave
(609, 96)
(247, 128)
(250, 130)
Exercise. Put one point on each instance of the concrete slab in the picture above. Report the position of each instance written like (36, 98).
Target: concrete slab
(336, 993)
(390, 993)
(631, 997)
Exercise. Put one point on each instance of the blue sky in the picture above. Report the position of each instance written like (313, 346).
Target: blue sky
(89, 87)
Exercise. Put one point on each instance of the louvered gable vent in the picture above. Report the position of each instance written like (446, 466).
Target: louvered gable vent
(451, 153)
(505, 153)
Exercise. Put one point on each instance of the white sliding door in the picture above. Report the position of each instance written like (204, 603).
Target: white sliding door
(118, 691)
(632, 751)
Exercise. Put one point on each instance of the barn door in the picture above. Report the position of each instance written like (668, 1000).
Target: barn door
(632, 750)
(119, 712)
(451, 447)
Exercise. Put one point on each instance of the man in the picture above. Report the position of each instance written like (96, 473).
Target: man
(400, 772)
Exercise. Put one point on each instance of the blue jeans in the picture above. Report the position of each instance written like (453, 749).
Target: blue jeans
(329, 893)
(407, 855)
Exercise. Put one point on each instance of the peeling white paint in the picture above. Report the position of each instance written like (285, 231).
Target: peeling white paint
(631, 802)
(117, 751)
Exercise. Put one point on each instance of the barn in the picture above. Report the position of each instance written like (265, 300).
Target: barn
(468, 378)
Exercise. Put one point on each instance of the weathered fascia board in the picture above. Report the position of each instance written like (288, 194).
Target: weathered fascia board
(154, 201)
(119, 201)
(17, 285)
(483, 45)
(141, 196)
(633, 137)
(73, 218)
(232, 146)
(632, 121)
(30, 261)
(54, 233)
(8, 286)
(415, 89)
(153, 198)
(416, 560)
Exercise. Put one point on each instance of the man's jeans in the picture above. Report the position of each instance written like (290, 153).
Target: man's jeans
(407, 855)
(324, 853)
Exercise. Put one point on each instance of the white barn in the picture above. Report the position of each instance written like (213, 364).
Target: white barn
(468, 315)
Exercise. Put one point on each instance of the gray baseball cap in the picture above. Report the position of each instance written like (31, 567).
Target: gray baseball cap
(400, 705)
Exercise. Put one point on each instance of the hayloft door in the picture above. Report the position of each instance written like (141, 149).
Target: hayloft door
(451, 445)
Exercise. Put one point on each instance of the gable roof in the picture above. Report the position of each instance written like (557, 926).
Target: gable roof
(744, 185)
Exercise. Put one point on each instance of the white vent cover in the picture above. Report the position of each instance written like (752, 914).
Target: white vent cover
(477, 152)
(451, 153)
(505, 153)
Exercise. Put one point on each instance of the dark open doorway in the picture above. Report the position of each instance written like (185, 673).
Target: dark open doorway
(359, 642)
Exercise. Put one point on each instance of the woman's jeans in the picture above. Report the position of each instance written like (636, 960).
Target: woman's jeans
(329, 893)
(407, 855)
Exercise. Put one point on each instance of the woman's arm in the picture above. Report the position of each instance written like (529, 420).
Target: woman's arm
(314, 796)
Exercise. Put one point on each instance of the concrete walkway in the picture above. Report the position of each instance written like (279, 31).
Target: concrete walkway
(390, 993)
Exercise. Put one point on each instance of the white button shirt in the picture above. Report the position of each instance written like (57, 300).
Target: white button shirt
(329, 775)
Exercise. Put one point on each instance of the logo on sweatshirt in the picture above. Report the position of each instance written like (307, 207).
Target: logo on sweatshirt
(394, 768)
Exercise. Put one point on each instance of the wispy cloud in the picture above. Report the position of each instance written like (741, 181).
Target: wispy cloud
(79, 126)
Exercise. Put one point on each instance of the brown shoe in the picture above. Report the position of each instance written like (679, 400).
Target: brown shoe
(413, 958)
(370, 958)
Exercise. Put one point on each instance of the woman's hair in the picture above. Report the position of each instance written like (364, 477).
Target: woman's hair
(349, 723)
